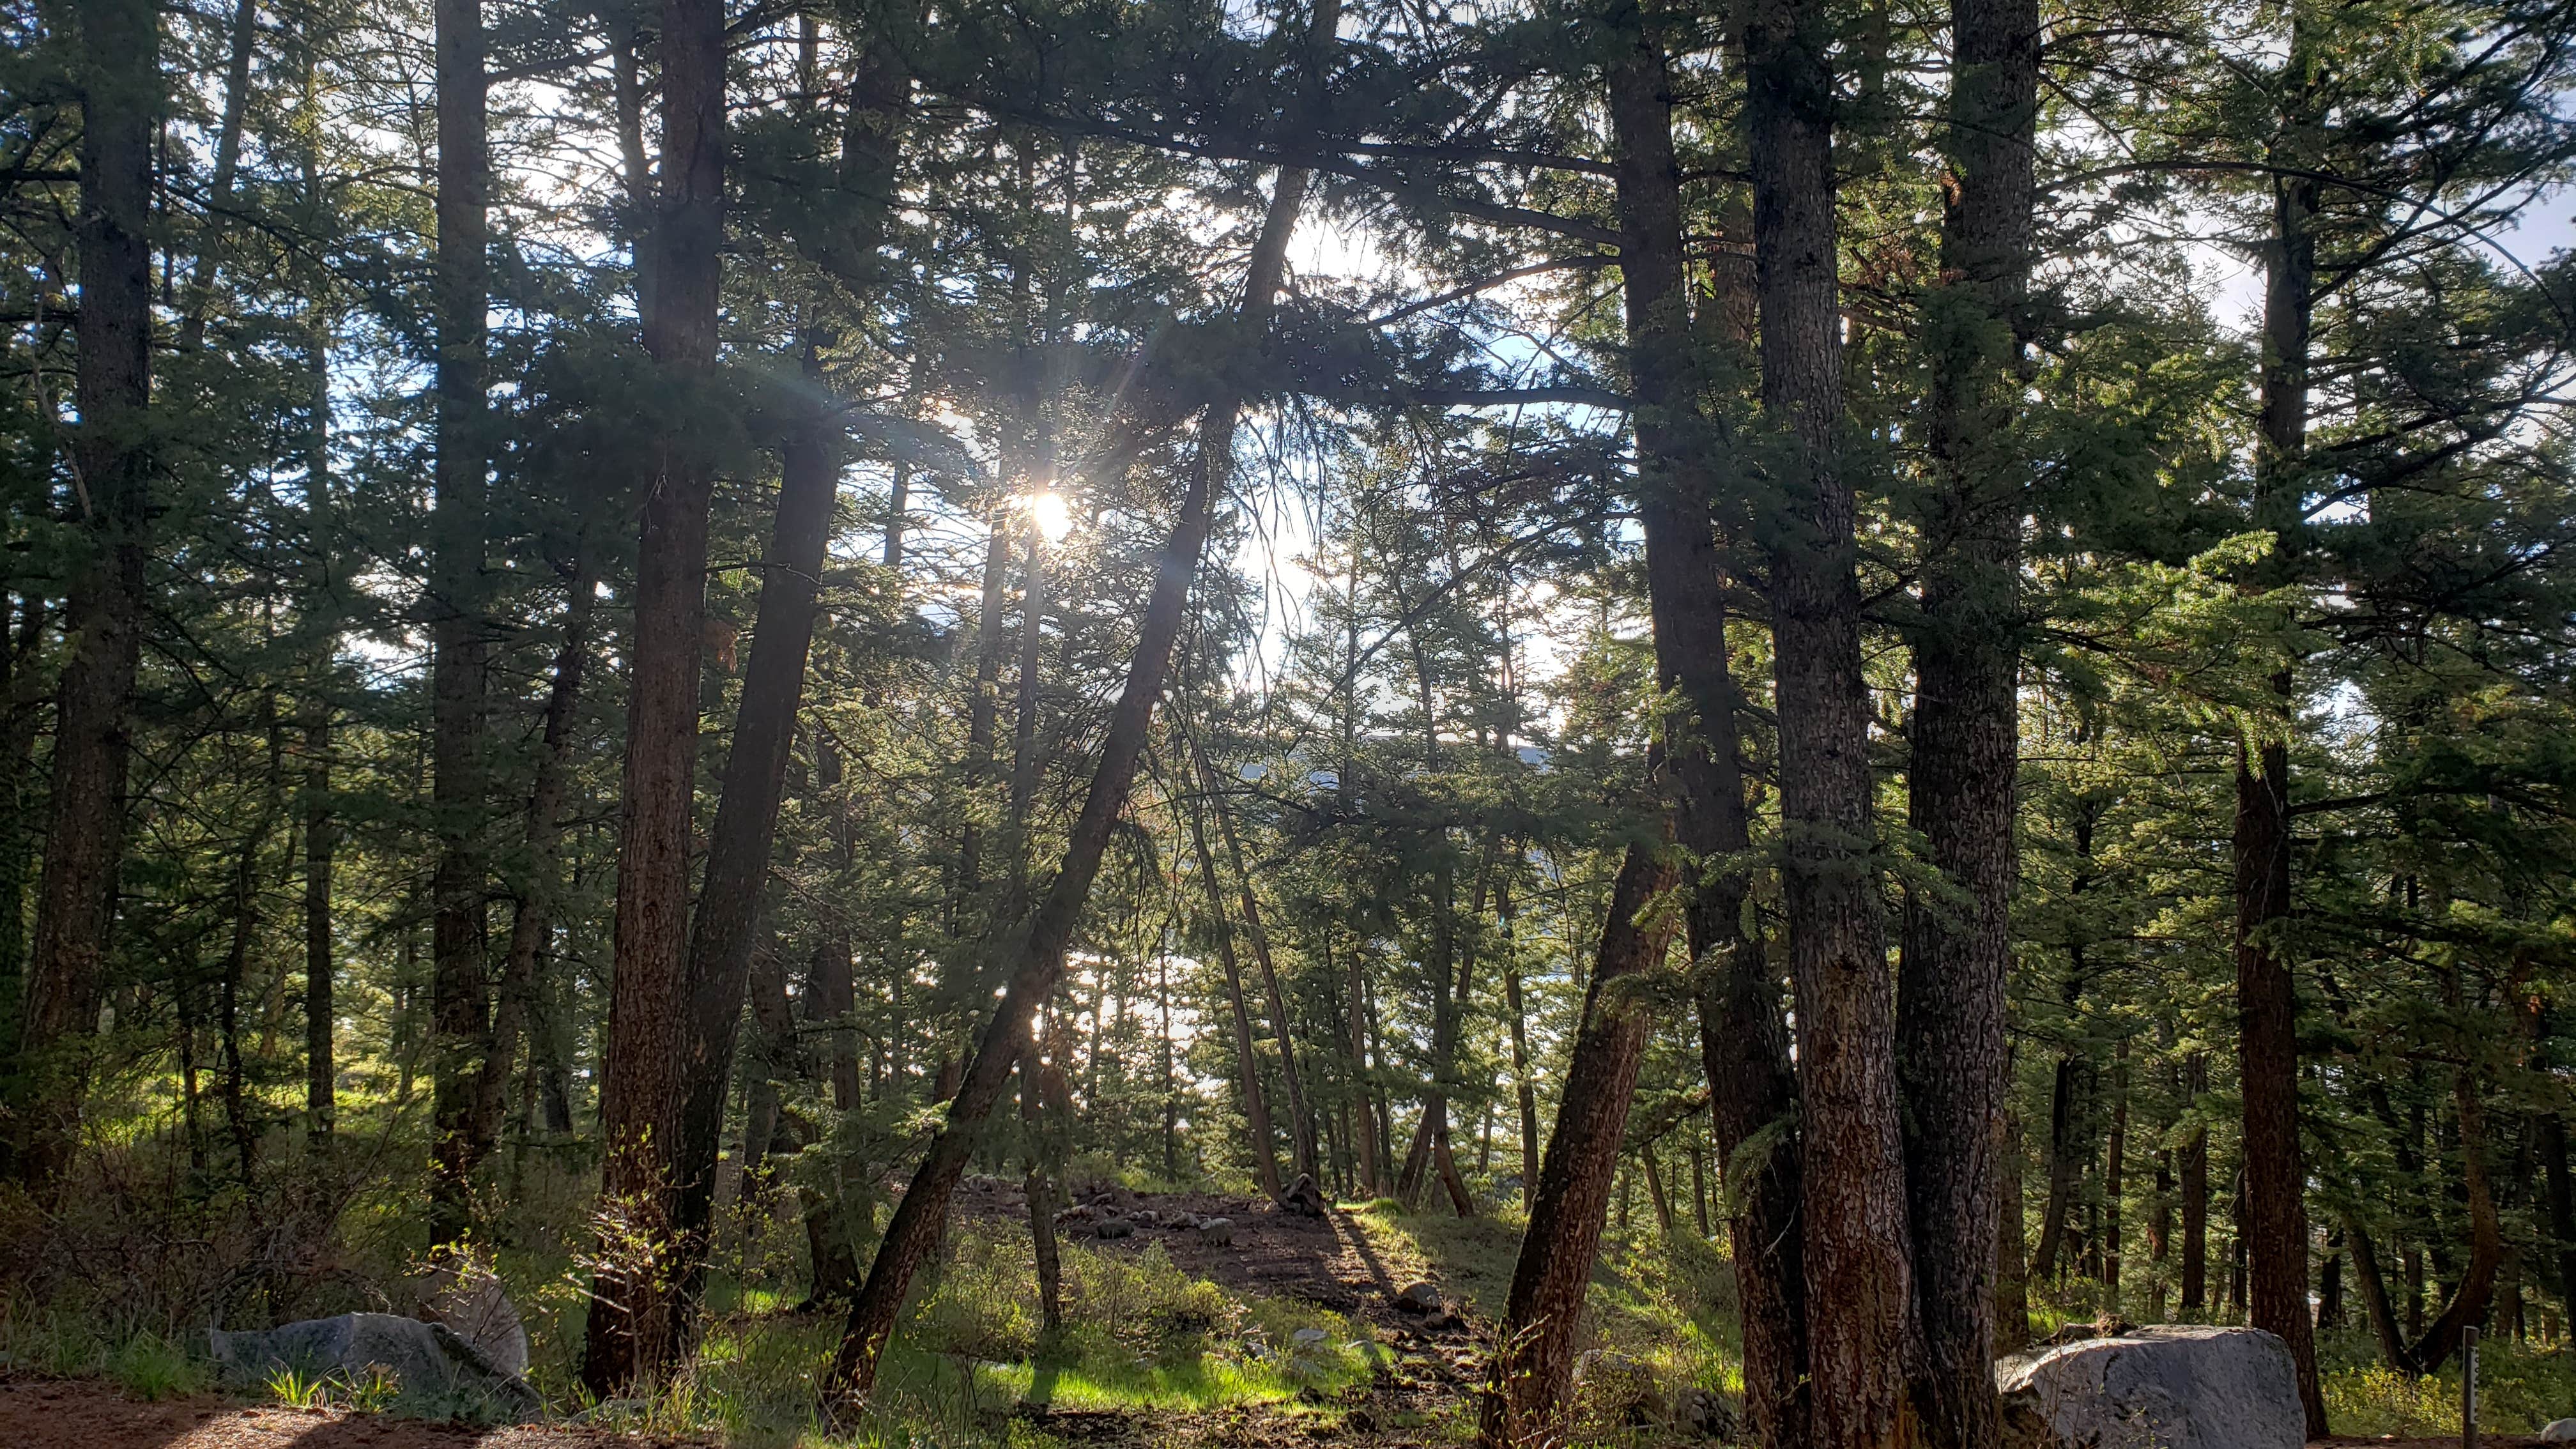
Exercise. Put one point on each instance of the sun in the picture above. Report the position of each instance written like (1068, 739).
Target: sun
(1052, 515)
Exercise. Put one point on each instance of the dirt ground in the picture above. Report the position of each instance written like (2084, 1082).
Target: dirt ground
(52, 1414)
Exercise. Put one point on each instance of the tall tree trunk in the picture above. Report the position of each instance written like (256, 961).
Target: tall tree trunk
(2476, 1290)
(2374, 1297)
(2114, 1168)
(321, 823)
(228, 139)
(2195, 1195)
(1743, 1038)
(2065, 1161)
(1037, 1121)
(1960, 784)
(725, 931)
(532, 917)
(920, 1218)
(118, 80)
(1354, 989)
(633, 1330)
(1853, 1213)
(1256, 1106)
(2274, 1207)
(2012, 1271)
(1523, 1089)
(1301, 1118)
(459, 1007)
(1534, 1358)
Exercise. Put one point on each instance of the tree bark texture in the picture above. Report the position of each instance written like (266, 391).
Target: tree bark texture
(2275, 1206)
(1853, 1202)
(632, 1332)
(119, 85)
(1534, 1356)
(725, 929)
(1960, 784)
(459, 987)
(1743, 1036)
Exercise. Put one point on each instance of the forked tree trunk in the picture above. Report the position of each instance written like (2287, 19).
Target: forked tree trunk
(1966, 727)
(918, 1221)
(1744, 1040)
(119, 85)
(633, 1331)
(1859, 1260)
(1534, 1353)
(459, 1005)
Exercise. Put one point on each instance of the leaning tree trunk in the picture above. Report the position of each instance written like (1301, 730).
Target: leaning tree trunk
(633, 1331)
(1852, 1206)
(119, 86)
(1966, 729)
(921, 1217)
(1534, 1357)
(459, 1008)
(1744, 1040)
(723, 935)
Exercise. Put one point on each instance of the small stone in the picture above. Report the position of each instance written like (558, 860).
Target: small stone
(1308, 1337)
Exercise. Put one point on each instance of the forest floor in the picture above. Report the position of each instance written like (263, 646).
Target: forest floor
(1408, 1382)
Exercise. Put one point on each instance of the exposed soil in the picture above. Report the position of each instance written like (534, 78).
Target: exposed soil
(1326, 1261)
(81, 1414)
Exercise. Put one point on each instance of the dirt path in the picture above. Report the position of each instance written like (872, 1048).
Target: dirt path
(84, 1414)
(1327, 1261)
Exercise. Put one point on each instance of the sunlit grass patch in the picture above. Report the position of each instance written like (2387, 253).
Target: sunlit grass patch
(2519, 1389)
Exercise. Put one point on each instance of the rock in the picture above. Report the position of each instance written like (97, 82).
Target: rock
(1418, 1298)
(1704, 1414)
(1303, 1197)
(1216, 1232)
(1108, 1228)
(435, 1371)
(2179, 1386)
(1614, 1391)
(2558, 1431)
(1308, 1337)
(467, 1296)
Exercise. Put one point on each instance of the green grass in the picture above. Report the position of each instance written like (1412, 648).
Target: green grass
(2519, 1389)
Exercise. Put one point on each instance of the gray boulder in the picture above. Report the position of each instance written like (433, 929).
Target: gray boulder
(2181, 1386)
(435, 1372)
(467, 1296)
